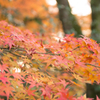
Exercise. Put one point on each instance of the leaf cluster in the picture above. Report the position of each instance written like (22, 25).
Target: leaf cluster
(32, 69)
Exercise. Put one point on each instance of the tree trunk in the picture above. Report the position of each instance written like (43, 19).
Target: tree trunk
(90, 91)
(68, 20)
(95, 5)
(93, 90)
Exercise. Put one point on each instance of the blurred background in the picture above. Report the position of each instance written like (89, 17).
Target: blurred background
(57, 17)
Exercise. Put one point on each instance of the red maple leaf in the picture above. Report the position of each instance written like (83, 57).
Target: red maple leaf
(3, 67)
(64, 94)
(8, 41)
(7, 90)
(3, 78)
(30, 92)
(63, 82)
(97, 98)
(47, 91)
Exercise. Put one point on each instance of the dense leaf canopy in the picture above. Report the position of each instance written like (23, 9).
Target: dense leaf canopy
(35, 68)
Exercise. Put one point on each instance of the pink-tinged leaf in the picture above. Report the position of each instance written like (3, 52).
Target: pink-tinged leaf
(3, 67)
(61, 98)
(17, 75)
(63, 82)
(30, 92)
(2, 93)
(82, 98)
(17, 37)
(97, 98)
(64, 95)
(4, 79)
(41, 44)
(47, 91)
(32, 84)
(47, 65)
(8, 90)
(43, 91)
(61, 60)
(8, 41)
(1, 99)
(78, 61)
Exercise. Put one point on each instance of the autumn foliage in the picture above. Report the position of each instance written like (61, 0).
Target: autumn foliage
(38, 68)
(31, 14)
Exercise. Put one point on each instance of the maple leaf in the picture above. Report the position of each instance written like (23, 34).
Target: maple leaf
(33, 83)
(61, 98)
(43, 91)
(3, 67)
(2, 93)
(47, 91)
(83, 98)
(63, 82)
(17, 37)
(4, 79)
(30, 92)
(9, 42)
(78, 61)
(17, 75)
(97, 98)
(8, 90)
(64, 94)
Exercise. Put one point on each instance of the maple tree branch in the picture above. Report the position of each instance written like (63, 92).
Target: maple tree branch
(74, 49)
(13, 48)
(14, 54)
(92, 65)
(56, 54)
(18, 49)
(7, 50)
(47, 53)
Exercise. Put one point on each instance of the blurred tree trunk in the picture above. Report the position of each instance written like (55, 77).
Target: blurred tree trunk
(93, 90)
(90, 91)
(95, 5)
(68, 20)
